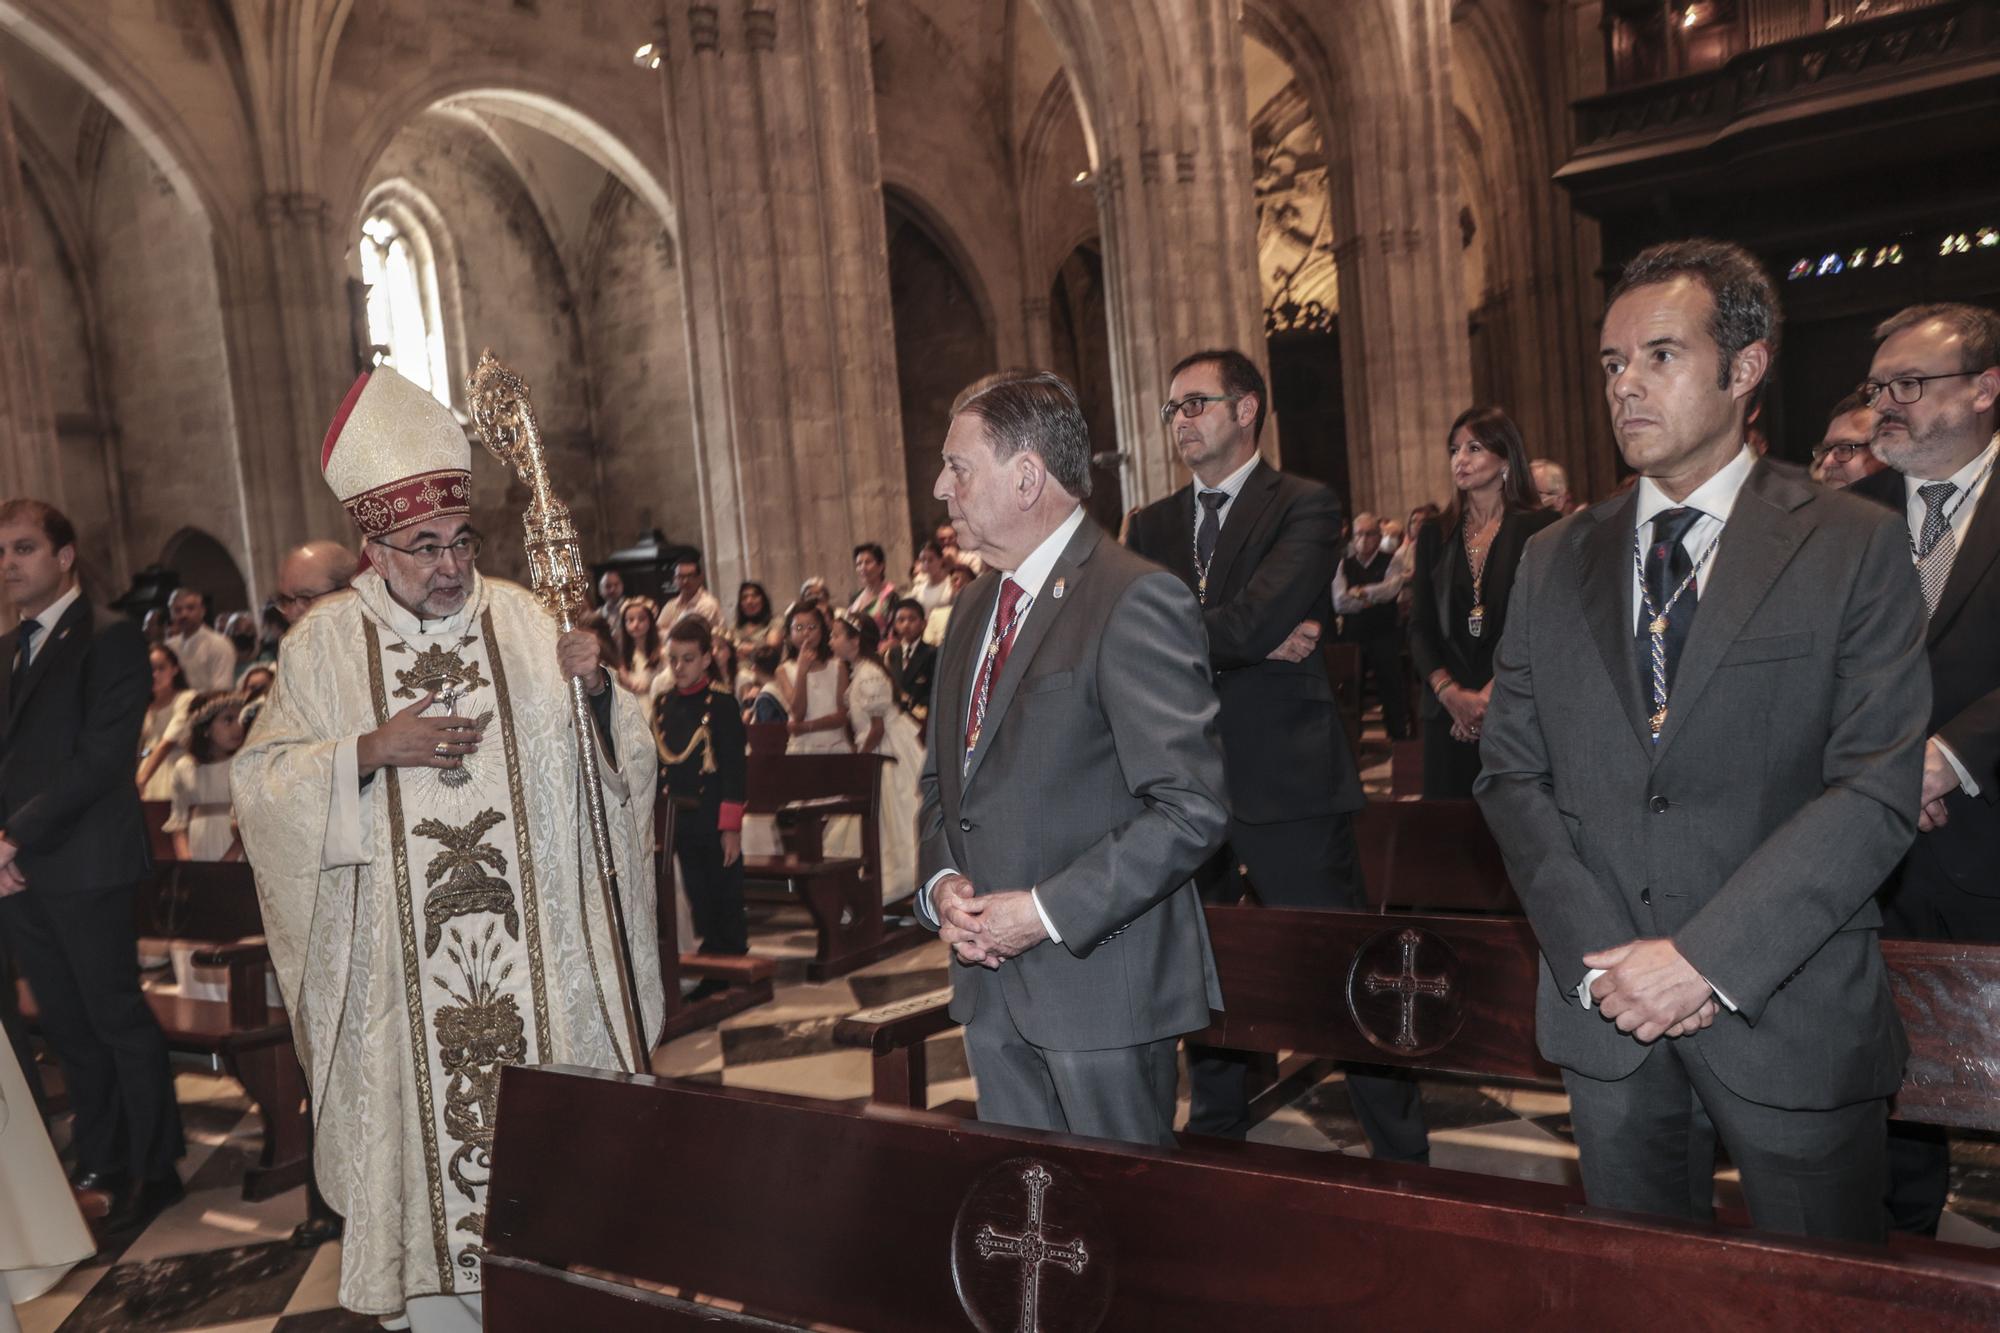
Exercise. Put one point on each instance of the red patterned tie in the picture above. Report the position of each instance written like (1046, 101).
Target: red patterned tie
(1004, 624)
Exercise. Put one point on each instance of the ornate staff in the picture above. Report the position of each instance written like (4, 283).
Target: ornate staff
(507, 428)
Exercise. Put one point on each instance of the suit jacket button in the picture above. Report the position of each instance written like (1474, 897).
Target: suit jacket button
(965, 826)
(1646, 897)
(1658, 805)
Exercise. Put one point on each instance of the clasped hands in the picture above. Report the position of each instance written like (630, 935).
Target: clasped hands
(12, 881)
(986, 929)
(1940, 779)
(1300, 644)
(1467, 709)
(1650, 991)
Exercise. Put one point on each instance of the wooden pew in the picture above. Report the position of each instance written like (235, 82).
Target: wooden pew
(843, 894)
(216, 902)
(1435, 856)
(805, 1214)
(1456, 995)
(748, 980)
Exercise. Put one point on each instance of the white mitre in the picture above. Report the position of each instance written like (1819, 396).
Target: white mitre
(395, 455)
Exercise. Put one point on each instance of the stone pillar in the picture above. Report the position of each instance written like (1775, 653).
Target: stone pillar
(770, 111)
(29, 462)
(285, 327)
(1405, 361)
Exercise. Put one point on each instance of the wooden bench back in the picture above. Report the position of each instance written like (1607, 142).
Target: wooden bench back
(774, 782)
(198, 900)
(1338, 984)
(1435, 856)
(811, 1214)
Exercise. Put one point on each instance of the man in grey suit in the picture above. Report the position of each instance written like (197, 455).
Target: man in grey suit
(1071, 787)
(1703, 752)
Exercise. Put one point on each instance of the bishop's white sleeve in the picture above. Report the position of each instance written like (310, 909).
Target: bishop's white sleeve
(349, 839)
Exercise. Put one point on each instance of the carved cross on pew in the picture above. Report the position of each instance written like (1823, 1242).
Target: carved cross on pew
(1406, 985)
(1033, 1249)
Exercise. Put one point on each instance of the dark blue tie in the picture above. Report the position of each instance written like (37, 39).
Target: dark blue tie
(1667, 563)
(23, 652)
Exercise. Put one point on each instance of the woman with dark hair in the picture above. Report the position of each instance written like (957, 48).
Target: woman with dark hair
(810, 684)
(878, 594)
(880, 727)
(753, 628)
(1464, 569)
(639, 645)
(163, 735)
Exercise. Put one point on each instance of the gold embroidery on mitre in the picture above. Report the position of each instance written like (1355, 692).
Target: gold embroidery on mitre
(469, 890)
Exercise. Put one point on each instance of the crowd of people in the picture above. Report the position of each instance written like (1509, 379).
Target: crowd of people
(1698, 812)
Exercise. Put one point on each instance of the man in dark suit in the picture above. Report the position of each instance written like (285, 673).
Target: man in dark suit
(1259, 549)
(910, 660)
(1702, 754)
(1071, 787)
(1935, 390)
(72, 846)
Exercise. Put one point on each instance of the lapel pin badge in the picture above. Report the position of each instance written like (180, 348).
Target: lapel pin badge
(1057, 592)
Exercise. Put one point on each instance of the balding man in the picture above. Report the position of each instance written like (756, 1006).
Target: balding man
(1843, 456)
(1552, 484)
(312, 571)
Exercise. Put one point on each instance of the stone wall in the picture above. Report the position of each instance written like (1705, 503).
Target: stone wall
(636, 335)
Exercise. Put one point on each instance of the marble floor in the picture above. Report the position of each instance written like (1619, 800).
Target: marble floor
(215, 1263)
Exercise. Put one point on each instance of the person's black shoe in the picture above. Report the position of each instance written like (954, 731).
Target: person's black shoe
(114, 1183)
(317, 1231)
(142, 1204)
(706, 987)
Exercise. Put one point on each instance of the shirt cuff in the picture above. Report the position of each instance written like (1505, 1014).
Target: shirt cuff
(1035, 897)
(1727, 1003)
(729, 818)
(1965, 781)
(1583, 989)
(925, 907)
(347, 817)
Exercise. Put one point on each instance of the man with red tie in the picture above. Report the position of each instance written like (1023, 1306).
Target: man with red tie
(1072, 786)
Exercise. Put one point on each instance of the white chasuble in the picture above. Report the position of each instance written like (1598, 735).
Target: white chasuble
(432, 926)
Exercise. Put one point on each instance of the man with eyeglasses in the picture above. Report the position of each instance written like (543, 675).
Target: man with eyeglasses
(1843, 456)
(312, 571)
(412, 802)
(1935, 386)
(1259, 547)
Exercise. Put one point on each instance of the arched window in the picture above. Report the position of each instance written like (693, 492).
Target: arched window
(404, 325)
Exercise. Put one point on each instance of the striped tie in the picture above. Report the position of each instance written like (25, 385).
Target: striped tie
(1935, 544)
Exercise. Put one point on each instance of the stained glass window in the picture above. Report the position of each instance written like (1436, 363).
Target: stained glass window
(403, 322)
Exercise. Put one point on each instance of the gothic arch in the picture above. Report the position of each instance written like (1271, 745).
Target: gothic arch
(512, 94)
(205, 563)
(64, 36)
(901, 195)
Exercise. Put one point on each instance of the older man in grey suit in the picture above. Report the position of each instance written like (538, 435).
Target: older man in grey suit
(1072, 785)
(1703, 752)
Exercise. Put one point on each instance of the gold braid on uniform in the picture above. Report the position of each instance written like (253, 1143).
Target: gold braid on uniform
(700, 738)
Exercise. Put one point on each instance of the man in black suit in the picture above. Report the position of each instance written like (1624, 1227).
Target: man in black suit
(1259, 549)
(1935, 389)
(910, 660)
(72, 846)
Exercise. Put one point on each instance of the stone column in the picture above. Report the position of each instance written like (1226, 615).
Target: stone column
(770, 112)
(285, 327)
(29, 462)
(1405, 361)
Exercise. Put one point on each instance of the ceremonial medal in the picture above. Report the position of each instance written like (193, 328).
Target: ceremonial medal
(1475, 621)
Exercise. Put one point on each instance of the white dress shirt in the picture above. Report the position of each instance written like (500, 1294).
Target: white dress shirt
(207, 659)
(1716, 499)
(1971, 482)
(1030, 576)
(50, 617)
(1231, 486)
